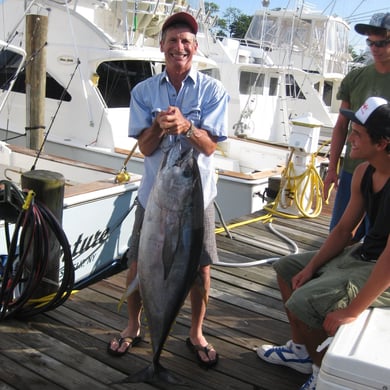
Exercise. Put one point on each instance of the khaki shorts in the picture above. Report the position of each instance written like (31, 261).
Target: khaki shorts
(209, 252)
(333, 286)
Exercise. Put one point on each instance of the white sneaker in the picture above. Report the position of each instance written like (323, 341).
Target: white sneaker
(285, 356)
(311, 383)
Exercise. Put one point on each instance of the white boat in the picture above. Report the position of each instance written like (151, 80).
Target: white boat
(287, 69)
(95, 214)
(98, 50)
(291, 62)
(97, 217)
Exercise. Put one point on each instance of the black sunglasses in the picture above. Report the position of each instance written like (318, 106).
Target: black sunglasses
(382, 43)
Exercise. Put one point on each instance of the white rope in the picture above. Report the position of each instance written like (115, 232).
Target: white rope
(263, 261)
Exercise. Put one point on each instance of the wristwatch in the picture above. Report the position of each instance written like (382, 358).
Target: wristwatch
(190, 130)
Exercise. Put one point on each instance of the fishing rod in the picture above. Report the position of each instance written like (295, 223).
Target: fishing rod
(65, 90)
(124, 176)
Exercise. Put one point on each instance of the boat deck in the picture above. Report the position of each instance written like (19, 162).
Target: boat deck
(66, 348)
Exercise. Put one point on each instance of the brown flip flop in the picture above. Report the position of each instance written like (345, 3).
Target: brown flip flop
(132, 341)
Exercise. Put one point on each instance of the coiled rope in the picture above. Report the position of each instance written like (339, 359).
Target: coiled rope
(28, 258)
(305, 192)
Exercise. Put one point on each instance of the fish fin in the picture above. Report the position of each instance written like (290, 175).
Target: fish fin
(171, 244)
(133, 286)
(167, 259)
(199, 283)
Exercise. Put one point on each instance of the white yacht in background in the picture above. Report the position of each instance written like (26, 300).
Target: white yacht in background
(291, 62)
(99, 49)
(91, 192)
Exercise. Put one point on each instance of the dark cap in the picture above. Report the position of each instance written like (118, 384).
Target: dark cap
(374, 115)
(380, 21)
(181, 18)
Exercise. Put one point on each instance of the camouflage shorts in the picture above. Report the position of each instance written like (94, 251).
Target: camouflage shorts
(333, 286)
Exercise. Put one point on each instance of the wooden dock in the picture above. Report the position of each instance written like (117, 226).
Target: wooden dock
(66, 348)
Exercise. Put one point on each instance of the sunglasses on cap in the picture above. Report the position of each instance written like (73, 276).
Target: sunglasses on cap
(381, 43)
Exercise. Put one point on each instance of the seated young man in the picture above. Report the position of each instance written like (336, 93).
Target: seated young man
(332, 286)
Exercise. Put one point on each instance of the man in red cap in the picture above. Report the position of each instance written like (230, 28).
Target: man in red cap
(178, 105)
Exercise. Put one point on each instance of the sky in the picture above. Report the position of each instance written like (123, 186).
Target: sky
(355, 11)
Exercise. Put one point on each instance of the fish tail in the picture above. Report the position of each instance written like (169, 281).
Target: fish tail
(145, 375)
(154, 373)
(199, 284)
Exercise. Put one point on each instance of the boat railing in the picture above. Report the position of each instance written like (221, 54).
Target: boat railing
(129, 20)
(310, 41)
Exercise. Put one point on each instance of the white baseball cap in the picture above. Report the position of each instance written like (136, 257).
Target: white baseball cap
(370, 116)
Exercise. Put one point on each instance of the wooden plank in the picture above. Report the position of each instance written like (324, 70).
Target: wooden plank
(83, 188)
(185, 320)
(40, 361)
(66, 348)
(19, 378)
(62, 160)
(256, 175)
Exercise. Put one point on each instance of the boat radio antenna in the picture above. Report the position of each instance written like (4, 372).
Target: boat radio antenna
(65, 90)
(14, 32)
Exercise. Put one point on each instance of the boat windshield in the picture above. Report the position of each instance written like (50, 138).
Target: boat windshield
(116, 79)
(319, 40)
(11, 61)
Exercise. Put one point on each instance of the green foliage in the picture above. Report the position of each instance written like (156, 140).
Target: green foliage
(352, 52)
(239, 27)
(233, 24)
(212, 7)
(359, 59)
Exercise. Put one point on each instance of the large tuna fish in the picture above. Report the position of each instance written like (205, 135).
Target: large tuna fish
(170, 247)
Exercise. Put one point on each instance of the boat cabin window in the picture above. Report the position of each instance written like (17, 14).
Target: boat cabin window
(9, 64)
(54, 90)
(118, 78)
(327, 91)
(273, 86)
(251, 83)
(212, 72)
(292, 88)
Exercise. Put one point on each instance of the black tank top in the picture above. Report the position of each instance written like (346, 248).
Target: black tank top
(377, 206)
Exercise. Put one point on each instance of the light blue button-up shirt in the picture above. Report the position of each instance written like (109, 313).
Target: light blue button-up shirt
(201, 99)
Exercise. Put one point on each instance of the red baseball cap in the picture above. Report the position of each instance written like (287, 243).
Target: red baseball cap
(181, 17)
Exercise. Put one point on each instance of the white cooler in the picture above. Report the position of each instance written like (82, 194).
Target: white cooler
(359, 356)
